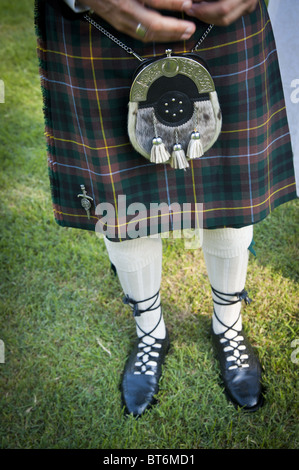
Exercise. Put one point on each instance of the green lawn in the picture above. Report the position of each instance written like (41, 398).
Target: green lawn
(67, 333)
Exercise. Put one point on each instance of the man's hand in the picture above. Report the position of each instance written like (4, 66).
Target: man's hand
(221, 12)
(125, 15)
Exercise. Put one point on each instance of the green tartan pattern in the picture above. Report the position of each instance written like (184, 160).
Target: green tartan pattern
(86, 80)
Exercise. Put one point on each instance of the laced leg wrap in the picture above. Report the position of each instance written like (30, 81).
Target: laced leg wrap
(146, 352)
(243, 295)
(234, 346)
(135, 307)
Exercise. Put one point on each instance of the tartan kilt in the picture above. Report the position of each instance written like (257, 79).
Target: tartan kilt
(86, 79)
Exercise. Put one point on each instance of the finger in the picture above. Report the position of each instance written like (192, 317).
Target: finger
(176, 5)
(162, 28)
(223, 12)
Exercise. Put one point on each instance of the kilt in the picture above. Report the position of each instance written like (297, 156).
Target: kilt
(85, 79)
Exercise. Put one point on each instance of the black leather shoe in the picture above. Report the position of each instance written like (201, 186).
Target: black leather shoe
(143, 369)
(140, 382)
(240, 370)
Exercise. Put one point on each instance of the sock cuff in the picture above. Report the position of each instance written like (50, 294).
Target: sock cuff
(227, 242)
(135, 254)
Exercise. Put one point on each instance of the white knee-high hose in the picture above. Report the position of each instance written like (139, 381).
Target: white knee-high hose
(139, 267)
(226, 256)
(138, 263)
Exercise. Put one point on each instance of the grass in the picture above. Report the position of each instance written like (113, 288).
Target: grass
(61, 306)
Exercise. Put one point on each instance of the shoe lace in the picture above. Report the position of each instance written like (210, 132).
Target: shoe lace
(235, 344)
(146, 351)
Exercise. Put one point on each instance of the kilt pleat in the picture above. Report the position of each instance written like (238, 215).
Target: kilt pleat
(86, 79)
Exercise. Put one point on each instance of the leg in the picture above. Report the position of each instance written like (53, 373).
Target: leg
(226, 256)
(139, 265)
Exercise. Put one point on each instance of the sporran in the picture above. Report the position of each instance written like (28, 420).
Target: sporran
(174, 114)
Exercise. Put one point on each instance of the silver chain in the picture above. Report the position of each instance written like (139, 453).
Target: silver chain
(203, 37)
(127, 48)
(113, 38)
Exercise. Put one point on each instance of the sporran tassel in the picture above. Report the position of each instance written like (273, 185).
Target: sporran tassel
(159, 153)
(195, 148)
(178, 158)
